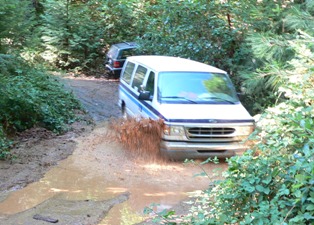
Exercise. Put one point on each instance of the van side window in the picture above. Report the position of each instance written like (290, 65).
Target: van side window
(150, 83)
(139, 77)
(128, 72)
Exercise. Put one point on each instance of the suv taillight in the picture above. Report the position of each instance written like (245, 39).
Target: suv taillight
(116, 64)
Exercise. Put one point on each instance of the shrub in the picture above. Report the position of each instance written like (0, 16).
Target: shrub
(274, 186)
(4, 145)
(30, 97)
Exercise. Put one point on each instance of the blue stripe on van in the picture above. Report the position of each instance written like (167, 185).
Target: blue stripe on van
(153, 113)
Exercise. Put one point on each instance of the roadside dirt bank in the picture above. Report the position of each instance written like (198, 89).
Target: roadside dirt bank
(35, 152)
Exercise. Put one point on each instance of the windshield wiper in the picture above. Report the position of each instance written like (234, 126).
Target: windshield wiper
(178, 97)
(222, 99)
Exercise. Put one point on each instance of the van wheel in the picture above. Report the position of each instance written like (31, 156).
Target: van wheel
(124, 113)
(115, 76)
(165, 155)
(171, 157)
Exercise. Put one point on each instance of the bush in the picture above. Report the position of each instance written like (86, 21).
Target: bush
(30, 97)
(4, 145)
(190, 30)
(273, 183)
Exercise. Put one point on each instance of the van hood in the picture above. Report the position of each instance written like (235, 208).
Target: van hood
(205, 113)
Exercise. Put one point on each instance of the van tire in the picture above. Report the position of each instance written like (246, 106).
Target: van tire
(124, 113)
(168, 157)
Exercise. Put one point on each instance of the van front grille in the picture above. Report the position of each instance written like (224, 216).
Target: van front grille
(209, 132)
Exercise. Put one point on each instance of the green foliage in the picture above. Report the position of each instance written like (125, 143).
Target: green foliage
(72, 33)
(191, 29)
(5, 145)
(16, 25)
(269, 50)
(30, 97)
(121, 20)
(274, 183)
(163, 217)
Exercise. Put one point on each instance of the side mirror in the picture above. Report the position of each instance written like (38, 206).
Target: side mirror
(144, 95)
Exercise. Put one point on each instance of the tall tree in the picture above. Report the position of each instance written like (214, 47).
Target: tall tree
(72, 32)
(268, 51)
(121, 19)
(200, 30)
(16, 24)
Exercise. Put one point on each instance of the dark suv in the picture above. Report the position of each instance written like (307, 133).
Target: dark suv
(116, 57)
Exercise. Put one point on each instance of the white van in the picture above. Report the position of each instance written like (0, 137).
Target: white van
(199, 105)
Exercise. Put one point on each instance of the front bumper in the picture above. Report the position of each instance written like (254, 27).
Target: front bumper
(188, 150)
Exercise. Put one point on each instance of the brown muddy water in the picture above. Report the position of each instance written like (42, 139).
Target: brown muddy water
(99, 170)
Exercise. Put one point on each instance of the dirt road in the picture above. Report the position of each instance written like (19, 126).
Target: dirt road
(85, 178)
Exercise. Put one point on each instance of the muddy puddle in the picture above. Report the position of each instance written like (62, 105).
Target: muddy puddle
(100, 170)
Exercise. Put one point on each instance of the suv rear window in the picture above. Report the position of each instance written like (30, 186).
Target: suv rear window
(113, 52)
(126, 53)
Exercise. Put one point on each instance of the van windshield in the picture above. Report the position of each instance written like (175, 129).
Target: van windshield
(196, 87)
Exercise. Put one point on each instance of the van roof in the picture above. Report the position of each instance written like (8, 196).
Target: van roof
(169, 63)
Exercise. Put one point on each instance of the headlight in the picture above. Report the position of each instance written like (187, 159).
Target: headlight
(174, 132)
